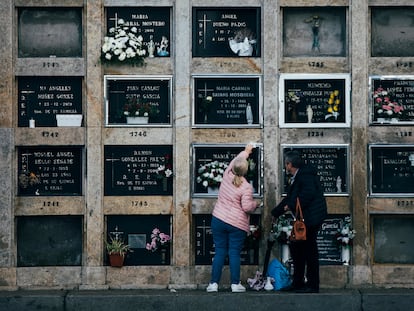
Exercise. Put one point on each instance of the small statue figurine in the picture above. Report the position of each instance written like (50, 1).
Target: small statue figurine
(316, 24)
(151, 47)
(309, 113)
(339, 184)
(249, 114)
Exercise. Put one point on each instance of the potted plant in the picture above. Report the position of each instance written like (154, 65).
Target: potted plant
(116, 249)
(138, 112)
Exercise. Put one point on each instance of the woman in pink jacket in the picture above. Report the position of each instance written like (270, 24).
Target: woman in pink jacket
(230, 221)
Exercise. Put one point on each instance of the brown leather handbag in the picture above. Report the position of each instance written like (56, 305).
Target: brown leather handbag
(299, 227)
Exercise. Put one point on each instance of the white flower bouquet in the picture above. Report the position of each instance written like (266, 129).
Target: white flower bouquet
(123, 44)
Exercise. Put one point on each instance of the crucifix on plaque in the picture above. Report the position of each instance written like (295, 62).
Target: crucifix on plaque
(204, 21)
(204, 230)
(115, 19)
(112, 160)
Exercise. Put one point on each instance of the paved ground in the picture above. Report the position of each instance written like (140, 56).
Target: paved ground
(199, 300)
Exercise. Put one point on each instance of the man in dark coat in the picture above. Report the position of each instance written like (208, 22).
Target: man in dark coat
(305, 185)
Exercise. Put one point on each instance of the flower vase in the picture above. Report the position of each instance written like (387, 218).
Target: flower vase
(285, 253)
(345, 254)
(205, 118)
(137, 120)
(268, 285)
(212, 190)
(163, 256)
(164, 183)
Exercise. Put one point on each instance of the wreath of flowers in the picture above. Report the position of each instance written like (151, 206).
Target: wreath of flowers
(123, 45)
(211, 174)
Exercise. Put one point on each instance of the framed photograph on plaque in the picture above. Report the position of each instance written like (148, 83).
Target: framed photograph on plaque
(210, 161)
(391, 100)
(152, 23)
(314, 100)
(132, 100)
(138, 170)
(50, 170)
(391, 170)
(227, 101)
(331, 163)
(226, 32)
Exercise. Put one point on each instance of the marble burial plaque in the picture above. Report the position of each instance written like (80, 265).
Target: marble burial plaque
(153, 92)
(49, 241)
(210, 162)
(204, 245)
(331, 162)
(314, 32)
(135, 230)
(392, 239)
(50, 171)
(227, 101)
(392, 31)
(392, 99)
(328, 246)
(391, 170)
(50, 32)
(314, 100)
(42, 98)
(138, 170)
(152, 23)
(226, 32)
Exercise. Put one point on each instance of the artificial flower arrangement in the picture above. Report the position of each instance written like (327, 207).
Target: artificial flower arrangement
(135, 107)
(205, 103)
(385, 106)
(27, 179)
(164, 169)
(334, 102)
(123, 44)
(253, 237)
(211, 174)
(345, 234)
(293, 100)
(282, 228)
(158, 240)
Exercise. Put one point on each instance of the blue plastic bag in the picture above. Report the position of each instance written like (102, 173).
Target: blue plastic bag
(279, 273)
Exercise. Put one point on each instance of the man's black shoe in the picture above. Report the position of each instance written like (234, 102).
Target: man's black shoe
(307, 290)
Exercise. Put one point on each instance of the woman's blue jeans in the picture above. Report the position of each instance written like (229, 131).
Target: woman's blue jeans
(228, 240)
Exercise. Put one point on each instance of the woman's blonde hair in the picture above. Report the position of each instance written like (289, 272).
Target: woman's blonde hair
(240, 167)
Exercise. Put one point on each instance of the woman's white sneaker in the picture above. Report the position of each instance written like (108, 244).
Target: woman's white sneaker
(237, 288)
(212, 287)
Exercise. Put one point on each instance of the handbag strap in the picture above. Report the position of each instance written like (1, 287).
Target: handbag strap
(299, 214)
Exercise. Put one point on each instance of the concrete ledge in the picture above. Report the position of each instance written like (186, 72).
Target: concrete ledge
(166, 300)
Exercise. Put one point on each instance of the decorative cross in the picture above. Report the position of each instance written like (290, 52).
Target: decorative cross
(204, 20)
